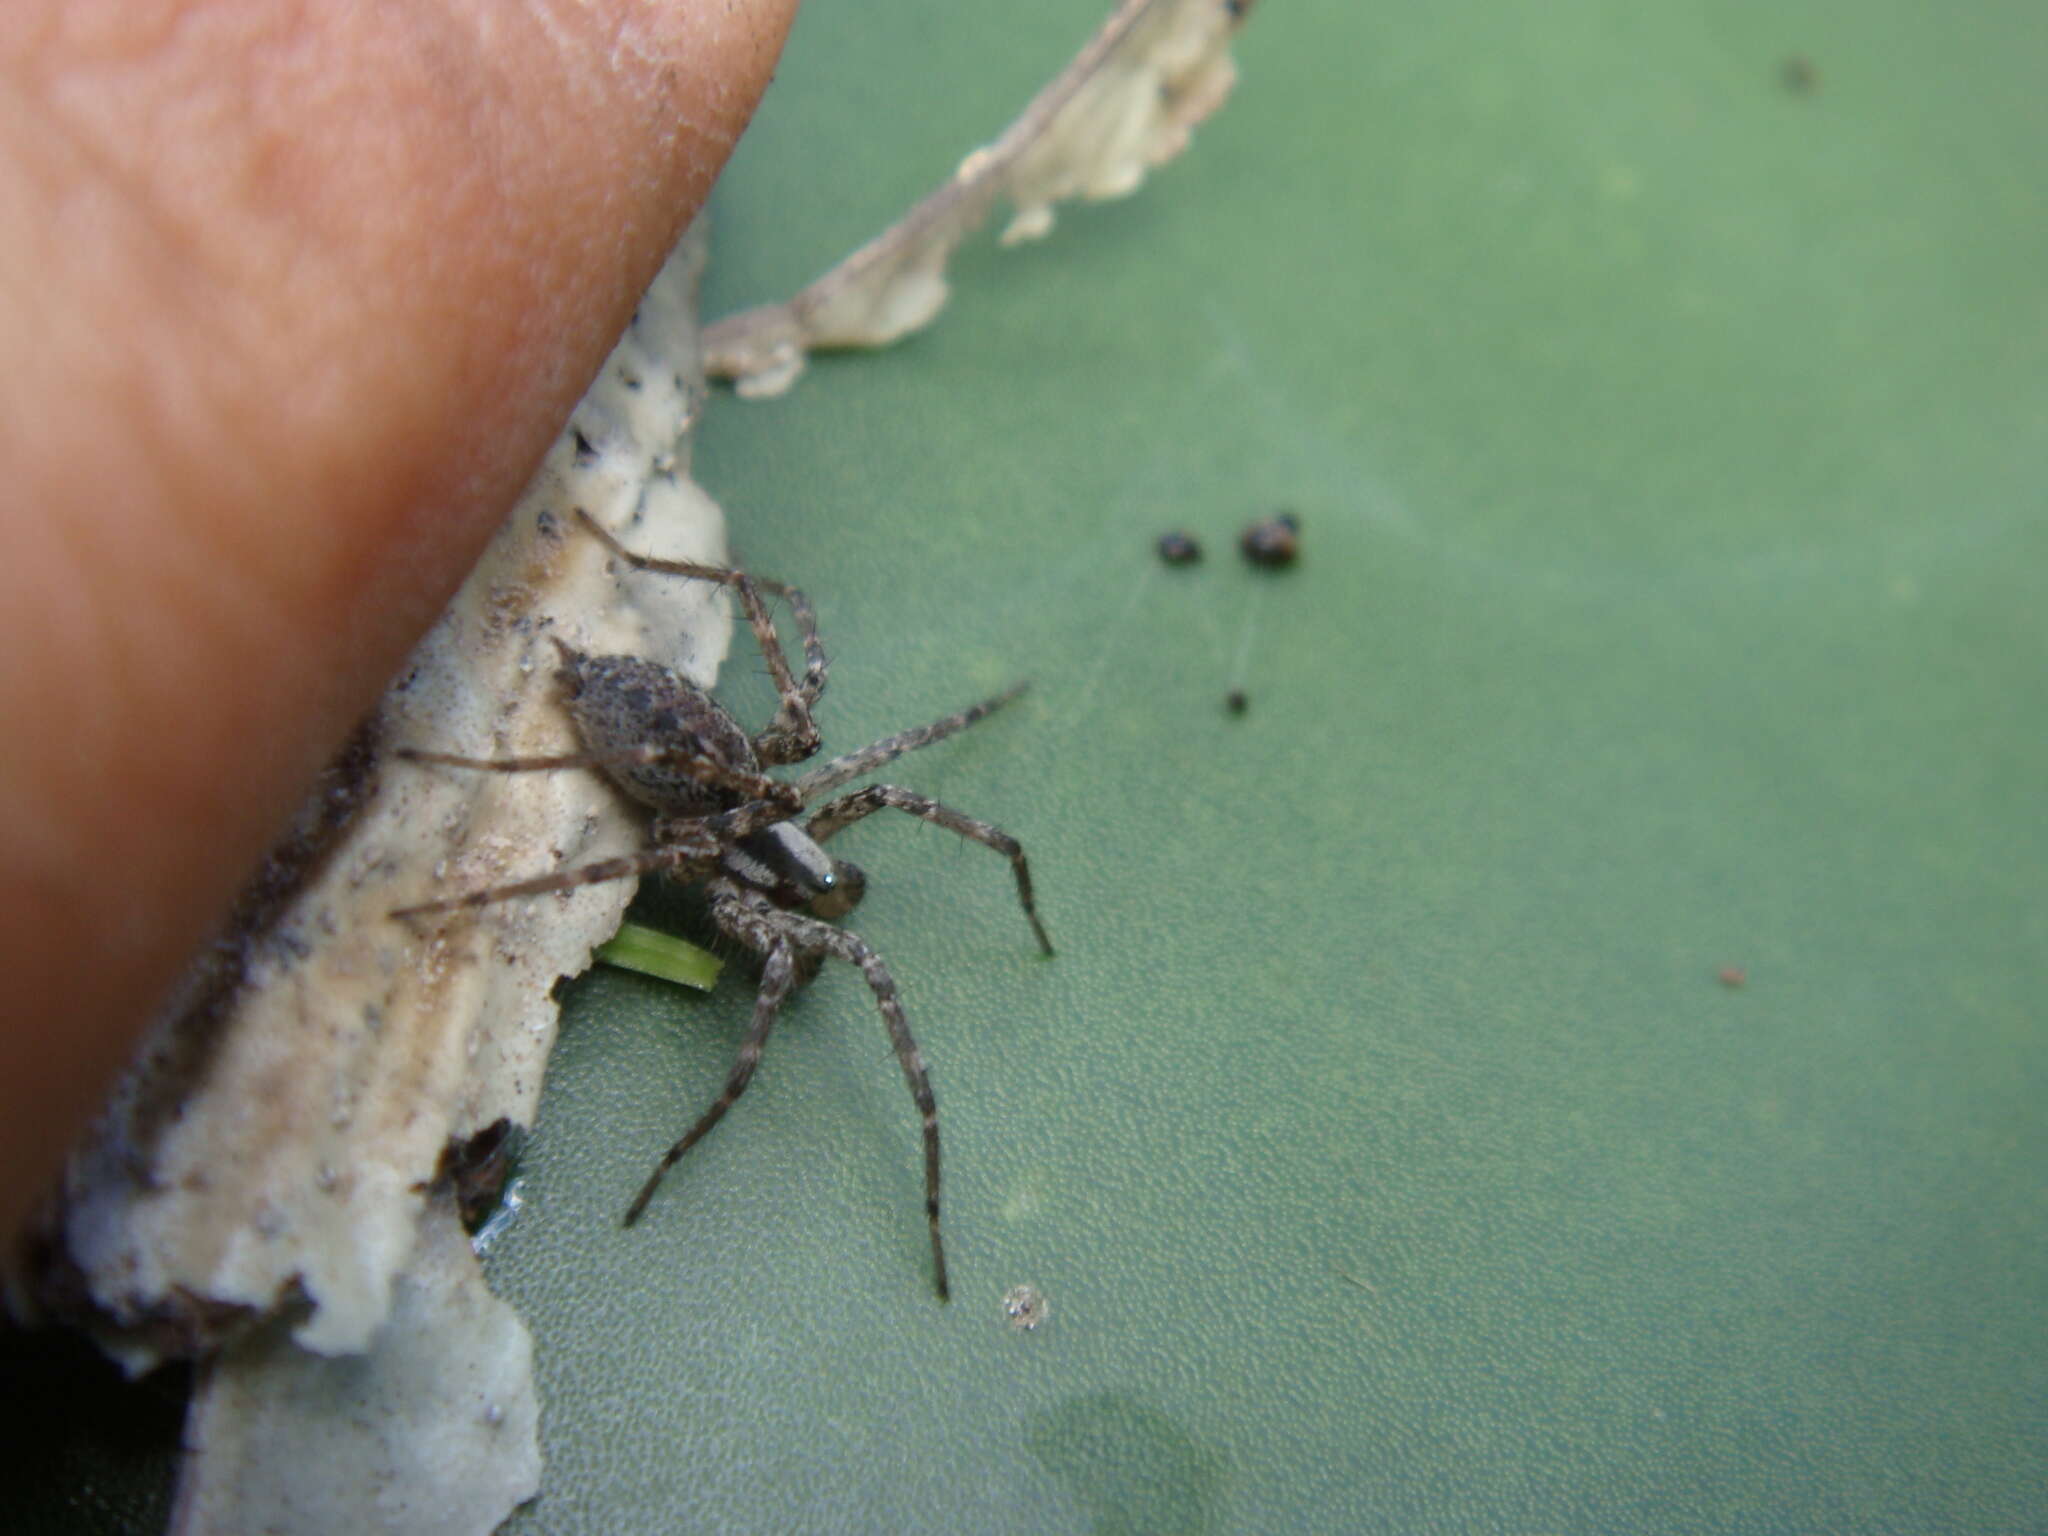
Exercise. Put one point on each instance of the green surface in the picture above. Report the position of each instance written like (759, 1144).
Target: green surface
(1670, 449)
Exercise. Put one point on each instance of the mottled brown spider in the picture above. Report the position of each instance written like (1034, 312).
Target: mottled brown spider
(720, 819)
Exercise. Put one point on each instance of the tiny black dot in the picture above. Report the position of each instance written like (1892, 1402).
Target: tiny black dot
(1273, 542)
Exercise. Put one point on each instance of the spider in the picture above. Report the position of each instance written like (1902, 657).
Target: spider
(754, 841)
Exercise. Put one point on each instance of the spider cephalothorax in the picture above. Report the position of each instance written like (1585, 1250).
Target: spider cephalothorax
(756, 842)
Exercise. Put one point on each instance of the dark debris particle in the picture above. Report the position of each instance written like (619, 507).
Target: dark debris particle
(476, 1169)
(1798, 75)
(1236, 702)
(1273, 542)
(1179, 549)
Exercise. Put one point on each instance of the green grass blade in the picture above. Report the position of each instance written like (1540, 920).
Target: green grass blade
(654, 953)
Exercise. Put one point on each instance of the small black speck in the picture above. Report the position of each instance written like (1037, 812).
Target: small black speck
(1273, 542)
(1236, 702)
(1798, 75)
(547, 525)
(584, 451)
(1179, 549)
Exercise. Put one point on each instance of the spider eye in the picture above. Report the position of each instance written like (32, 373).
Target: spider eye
(849, 884)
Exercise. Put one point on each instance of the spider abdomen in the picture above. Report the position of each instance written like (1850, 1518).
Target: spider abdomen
(620, 703)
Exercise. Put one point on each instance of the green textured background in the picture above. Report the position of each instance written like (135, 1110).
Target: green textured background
(1670, 448)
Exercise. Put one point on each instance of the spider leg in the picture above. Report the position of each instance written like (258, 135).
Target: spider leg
(724, 826)
(776, 979)
(856, 952)
(752, 921)
(503, 764)
(850, 766)
(704, 769)
(848, 809)
(679, 861)
(793, 734)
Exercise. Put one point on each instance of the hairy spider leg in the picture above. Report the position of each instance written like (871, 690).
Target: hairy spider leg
(704, 769)
(851, 765)
(645, 862)
(845, 811)
(777, 977)
(688, 849)
(751, 919)
(793, 734)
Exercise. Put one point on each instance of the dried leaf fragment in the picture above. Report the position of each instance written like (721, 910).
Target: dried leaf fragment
(1129, 101)
(435, 1431)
